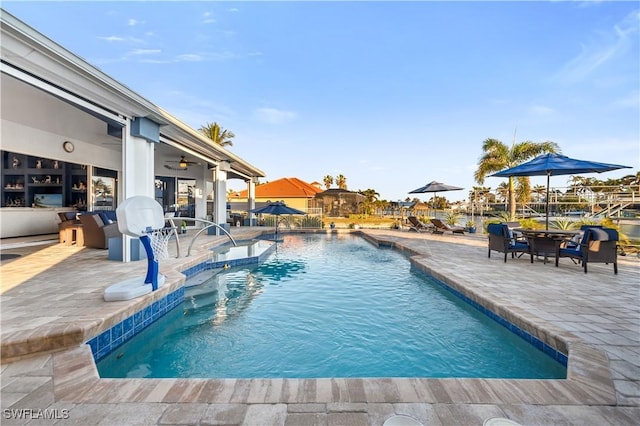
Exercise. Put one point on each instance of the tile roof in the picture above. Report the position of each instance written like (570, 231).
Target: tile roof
(282, 188)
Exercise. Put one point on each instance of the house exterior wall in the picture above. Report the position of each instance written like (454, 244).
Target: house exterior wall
(50, 95)
(240, 204)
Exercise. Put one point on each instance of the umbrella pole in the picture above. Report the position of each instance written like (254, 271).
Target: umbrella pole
(435, 205)
(547, 204)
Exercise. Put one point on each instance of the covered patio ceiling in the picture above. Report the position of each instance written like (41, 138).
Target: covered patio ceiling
(60, 77)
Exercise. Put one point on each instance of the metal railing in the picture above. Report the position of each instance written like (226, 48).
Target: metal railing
(208, 224)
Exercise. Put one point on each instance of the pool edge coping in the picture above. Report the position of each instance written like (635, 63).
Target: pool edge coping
(588, 379)
(76, 379)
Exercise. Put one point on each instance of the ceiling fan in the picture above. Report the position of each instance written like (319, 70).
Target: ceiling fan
(183, 164)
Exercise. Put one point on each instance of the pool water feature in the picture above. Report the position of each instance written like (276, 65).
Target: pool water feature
(226, 256)
(244, 250)
(327, 306)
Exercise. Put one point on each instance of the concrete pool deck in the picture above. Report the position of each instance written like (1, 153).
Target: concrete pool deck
(52, 299)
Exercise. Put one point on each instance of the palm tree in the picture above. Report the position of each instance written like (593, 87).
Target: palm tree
(341, 181)
(217, 134)
(370, 197)
(498, 156)
(381, 206)
(502, 191)
(539, 192)
(101, 188)
(478, 196)
(328, 181)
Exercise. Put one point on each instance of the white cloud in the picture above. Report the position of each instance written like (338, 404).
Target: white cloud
(133, 22)
(195, 110)
(631, 101)
(542, 110)
(607, 46)
(190, 57)
(233, 10)
(221, 56)
(154, 61)
(112, 38)
(274, 116)
(144, 52)
(208, 18)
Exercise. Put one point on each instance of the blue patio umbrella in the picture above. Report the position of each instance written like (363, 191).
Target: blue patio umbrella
(556, 164)
(277, 208)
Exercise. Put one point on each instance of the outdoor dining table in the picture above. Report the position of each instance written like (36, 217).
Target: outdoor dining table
(546, 242)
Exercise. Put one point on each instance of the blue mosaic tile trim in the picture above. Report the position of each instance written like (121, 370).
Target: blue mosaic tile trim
(109, 340)
(210, 264)
(537, 343)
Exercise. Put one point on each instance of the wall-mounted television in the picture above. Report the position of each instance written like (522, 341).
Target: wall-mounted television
(47, 200)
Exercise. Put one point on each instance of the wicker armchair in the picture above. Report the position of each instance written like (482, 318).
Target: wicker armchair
(502, 240)
(598, 245)
(68, 228)
(96, 232)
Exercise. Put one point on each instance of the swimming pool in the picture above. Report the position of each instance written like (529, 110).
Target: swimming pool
(327, 306)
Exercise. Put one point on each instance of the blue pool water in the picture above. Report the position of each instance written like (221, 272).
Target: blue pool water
(327, 306)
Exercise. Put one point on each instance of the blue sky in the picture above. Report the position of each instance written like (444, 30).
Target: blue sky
(390, 94)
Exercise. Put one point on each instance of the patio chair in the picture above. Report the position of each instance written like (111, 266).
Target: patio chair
(575, 241)
(502, 240)
(441, 227)
(512, 225)
(598, 245)
(416, 225)
(67, 228)
(97, 229)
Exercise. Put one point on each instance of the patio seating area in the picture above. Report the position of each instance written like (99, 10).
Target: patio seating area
(595, 315)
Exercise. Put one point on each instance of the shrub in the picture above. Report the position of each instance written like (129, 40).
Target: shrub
(530, 223)
(310, 222)
(563, 224)
(451, 218)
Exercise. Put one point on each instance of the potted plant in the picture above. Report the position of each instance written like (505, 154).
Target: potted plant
(471, 227)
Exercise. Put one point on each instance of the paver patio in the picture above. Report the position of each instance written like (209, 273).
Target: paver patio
(53, 298)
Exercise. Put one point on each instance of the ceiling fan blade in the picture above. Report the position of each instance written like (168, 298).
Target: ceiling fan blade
(182, 160)
(174, 168)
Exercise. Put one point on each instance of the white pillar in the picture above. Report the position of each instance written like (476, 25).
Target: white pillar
(220, 196)
(200, 194)
(138, 174)
(251, 200)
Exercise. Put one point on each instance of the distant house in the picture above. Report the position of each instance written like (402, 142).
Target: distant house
(420, 208)
(294, 192)
(338, 202)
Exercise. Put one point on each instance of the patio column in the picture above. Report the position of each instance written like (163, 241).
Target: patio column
(251, 200)
(220, 195)
(138, 175)
(200, 195)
